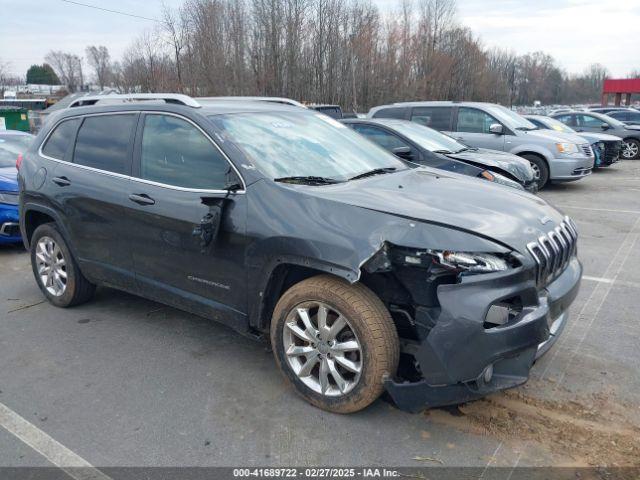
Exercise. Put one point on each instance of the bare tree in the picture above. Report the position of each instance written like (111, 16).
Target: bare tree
(68, 67)
(100, 61)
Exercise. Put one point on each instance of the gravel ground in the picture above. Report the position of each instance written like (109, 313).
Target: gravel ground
(122, 381)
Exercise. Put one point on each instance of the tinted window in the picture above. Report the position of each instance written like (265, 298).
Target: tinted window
(398, 113)
(566, 119)
(622, 116)
(438, 118)
(60, 139)
(103, 142)
(472, 120)
(381, 137)
(174, 152)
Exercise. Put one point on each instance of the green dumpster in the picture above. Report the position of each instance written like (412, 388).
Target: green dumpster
(14, 118)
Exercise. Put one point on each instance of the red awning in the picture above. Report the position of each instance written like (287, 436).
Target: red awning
(624, 85)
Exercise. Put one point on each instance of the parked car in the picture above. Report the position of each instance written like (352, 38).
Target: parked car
(425, 146)
(367, 275)
(609, 109)
(12, 144)
(599, 123)
(606, 148)
(628, 117)
(554, 156)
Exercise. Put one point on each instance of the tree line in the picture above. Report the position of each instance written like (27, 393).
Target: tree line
(327, 51)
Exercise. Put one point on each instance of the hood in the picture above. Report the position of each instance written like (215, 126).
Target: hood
(516, 166)
(557, 137)
(504, 215)
(599, 137)
(635, 128)
(8, 179)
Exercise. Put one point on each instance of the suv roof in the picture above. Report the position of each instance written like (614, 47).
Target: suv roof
(208, 108)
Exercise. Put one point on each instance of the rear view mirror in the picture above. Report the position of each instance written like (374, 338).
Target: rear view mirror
(403, 152)
(496, 129)
(605, 126)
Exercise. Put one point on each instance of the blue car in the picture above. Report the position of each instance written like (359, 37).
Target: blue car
(12, 144)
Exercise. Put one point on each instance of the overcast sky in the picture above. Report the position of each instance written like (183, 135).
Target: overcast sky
(576, 32)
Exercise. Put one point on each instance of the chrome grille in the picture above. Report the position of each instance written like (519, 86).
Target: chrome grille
(553, 251)
(586, 148)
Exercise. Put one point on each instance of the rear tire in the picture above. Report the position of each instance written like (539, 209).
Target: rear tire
(355, 360)
(630, 149)
(540, 169)
(55, 270)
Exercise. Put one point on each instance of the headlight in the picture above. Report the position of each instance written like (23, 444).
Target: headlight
(567, 148)
(9, 198)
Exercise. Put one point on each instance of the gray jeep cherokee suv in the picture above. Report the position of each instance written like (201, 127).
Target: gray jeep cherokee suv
(364, 272)
(554, 156)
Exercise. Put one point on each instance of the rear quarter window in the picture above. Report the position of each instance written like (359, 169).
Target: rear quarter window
(438, 118)
(397, 113)
(60, 139)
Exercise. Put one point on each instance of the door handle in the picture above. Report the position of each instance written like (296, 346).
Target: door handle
(142, 199)
(61, 181)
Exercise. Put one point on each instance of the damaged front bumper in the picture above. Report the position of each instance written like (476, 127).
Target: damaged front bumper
(462, 358)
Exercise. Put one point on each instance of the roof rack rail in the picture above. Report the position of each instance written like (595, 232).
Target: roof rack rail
(175, 98)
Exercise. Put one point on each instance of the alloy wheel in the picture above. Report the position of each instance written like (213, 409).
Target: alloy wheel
(630, 150)
(322, 349)
(52, 266)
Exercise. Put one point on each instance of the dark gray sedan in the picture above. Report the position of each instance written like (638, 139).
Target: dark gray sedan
(426, 146)
(599, 123)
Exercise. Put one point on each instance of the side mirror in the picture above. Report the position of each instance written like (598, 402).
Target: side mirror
(496, 129)
(605, 126)
(403, 152)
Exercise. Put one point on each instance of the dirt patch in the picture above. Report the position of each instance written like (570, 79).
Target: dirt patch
(590, 432)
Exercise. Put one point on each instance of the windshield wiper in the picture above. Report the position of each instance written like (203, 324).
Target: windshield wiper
(308, 179)
(466, 149)
(527, 129)
(443, 152)
(375, 171)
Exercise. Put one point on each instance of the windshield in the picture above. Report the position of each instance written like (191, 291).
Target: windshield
(510, 118)
(428, 138)
(557, 125)
(11, 146)
(292, 144)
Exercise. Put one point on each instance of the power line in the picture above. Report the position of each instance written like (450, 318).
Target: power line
(111, 11)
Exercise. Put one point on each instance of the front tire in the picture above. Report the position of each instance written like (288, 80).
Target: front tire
(630, 149)
(335, 343)
(540, 170)
(56, 271)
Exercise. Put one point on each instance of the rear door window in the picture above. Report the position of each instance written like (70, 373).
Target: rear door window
(103, 142)
(567, 119)
(175, 152)
(438, 118)
(61, 139)
(589, 121)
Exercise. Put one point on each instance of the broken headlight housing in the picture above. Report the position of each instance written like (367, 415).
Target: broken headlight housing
(446, 260)
(460, 262)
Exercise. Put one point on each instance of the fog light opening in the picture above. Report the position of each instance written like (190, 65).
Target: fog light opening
(502, 313)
